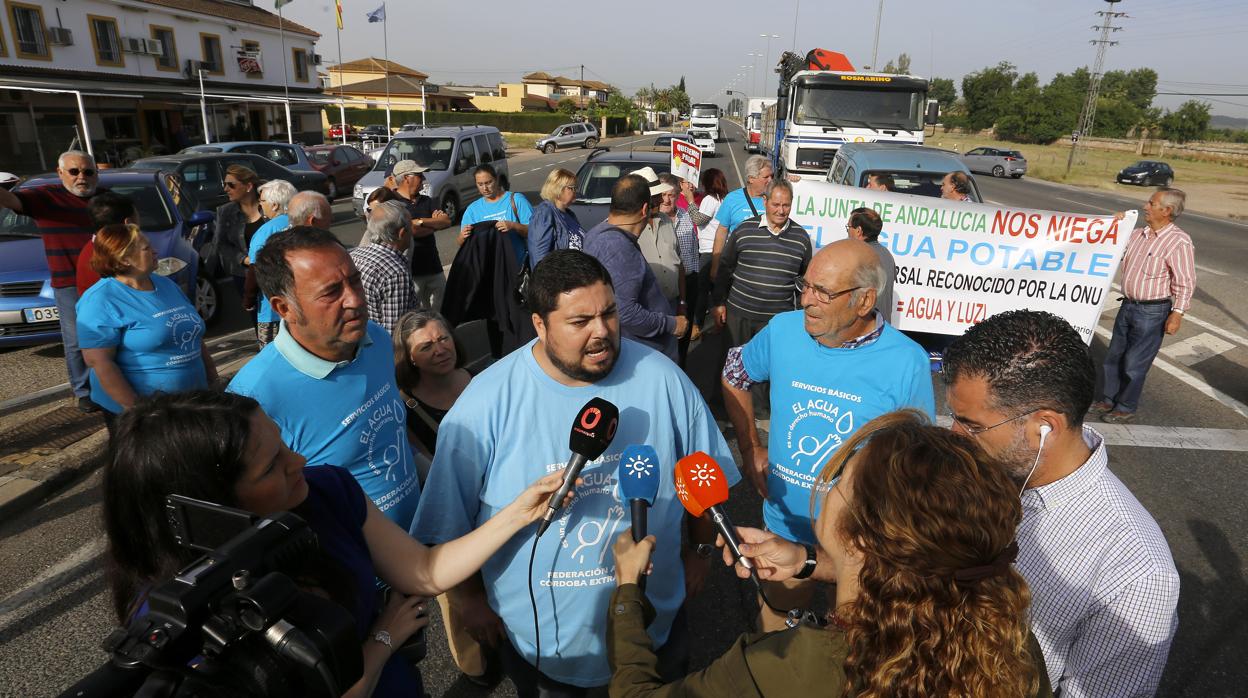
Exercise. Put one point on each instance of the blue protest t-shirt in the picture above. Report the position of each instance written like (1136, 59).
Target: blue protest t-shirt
(157, 334)
(483, 210)
(509, 428)
(347, 414)
(819, 397)
(264, 312)
(736, 208)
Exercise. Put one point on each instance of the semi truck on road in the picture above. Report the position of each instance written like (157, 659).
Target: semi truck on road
(705, 117)
(754, 122)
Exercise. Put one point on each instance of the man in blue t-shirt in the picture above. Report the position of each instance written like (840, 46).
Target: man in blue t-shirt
(832, 367)
(511, 210)
(327, 379)
(740, 204)
(511, 424)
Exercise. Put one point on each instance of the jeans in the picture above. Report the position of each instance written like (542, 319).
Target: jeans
(429, 290)
(1138, 331)
(66, 304)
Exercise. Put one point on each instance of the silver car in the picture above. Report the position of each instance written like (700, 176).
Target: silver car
(996, 162)
(581, 135)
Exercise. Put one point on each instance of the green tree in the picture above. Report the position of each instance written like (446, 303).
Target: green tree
(682, 83)
(619, 105)
(567, 105)
(943, 91)
(985, 94)
(1187, 123)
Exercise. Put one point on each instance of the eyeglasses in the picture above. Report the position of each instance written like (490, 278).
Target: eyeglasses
(87, 172)
(823, 295)
(232, 185)
(976, 431)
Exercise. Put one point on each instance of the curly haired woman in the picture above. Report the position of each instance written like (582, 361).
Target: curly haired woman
(917, 530)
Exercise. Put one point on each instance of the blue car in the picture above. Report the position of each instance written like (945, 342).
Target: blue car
(290, 156)
(28, 313)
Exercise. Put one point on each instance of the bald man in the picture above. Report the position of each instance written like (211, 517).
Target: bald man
(310, 208)
(833, 366)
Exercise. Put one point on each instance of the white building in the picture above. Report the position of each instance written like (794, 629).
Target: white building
(137, 66)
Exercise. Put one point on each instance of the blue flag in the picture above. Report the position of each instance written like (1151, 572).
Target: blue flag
(378, 15)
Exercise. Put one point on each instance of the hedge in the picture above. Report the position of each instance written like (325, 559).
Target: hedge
(511, 122)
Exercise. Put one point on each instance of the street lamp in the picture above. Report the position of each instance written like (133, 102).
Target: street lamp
(875, 47)
(753, 73)
(766, 78)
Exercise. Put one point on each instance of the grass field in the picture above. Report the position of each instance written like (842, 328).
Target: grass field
(522, 141)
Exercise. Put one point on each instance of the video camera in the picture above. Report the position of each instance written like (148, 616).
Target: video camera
(232, 622)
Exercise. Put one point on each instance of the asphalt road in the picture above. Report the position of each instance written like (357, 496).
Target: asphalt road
(54, 606)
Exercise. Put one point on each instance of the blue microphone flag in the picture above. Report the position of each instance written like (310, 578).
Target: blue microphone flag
(639, 473)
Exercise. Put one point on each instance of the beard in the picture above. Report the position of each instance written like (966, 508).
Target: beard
(578, 371)
(1018, 458)
(82, 190)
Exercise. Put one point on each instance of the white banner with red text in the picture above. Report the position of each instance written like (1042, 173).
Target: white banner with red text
(961, 262)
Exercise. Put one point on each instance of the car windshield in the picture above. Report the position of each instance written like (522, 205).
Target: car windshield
(320, 157)
(154, 212)
(705, 110)
(872, 109)
(918, 183)
(596, 179)
(434, 153)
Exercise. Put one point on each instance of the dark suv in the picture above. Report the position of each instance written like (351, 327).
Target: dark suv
(599, 173)
(203, 174)
(1147, 173)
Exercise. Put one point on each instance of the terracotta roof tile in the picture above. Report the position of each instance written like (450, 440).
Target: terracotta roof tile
(377, 65)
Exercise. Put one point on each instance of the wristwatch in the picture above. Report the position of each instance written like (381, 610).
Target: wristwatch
(384, 638)
(809, 567)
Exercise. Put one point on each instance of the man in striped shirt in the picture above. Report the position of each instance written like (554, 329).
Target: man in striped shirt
(1158, 278)
(60, 214)
(761, 259)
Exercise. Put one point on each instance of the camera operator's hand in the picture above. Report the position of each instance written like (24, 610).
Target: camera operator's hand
(775, 558)
(532, 502)
(632, 559)
(401, 617)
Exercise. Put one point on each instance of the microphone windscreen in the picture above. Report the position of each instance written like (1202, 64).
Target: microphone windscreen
(700, 483)
(639, 473)
(594, 428)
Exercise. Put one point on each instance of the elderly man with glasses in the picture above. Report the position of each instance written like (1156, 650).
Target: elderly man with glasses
(60, 213)
(832, 366)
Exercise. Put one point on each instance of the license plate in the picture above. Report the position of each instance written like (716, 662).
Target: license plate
(42, 314)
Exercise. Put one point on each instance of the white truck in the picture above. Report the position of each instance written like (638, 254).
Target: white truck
(825, 102)
(754, 122)
(705, 117)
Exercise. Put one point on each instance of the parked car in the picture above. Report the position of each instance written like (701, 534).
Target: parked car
(581, 135)
(410, 126)
(996, 161)
(28, 313)
(451, 153)
(665, 141)
(284, 154)
(599, 174)
(335, 130)
(1147, 173)
(703, 140)
(203, 174)
(915, 169)
(344, 165)
(374, 132)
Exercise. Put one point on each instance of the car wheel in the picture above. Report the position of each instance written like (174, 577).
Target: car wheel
(206, 299)
(591, 142)
(450, 206)
(333, 189)
(998, 171)
(1166, 181)
(549, 149)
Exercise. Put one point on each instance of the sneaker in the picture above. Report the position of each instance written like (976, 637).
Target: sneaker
(1117, 417)
(85, 404)
(1101, 407)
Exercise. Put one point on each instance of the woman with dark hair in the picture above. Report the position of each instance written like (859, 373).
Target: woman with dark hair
(702, 207)
(917, 526)
(429, 369)
(222, 448)
(511, 210)
(138, 332)
(237, 220)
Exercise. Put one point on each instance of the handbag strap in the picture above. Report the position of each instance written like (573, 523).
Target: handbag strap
(414, 405)
(514, 211)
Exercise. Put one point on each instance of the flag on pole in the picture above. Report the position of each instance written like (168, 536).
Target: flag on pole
(282, 3)
(377, 15)
(338, 9)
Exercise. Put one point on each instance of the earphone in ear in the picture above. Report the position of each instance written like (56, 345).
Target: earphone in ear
(1045, 430)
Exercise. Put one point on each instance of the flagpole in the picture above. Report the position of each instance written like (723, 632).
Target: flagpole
(281, 29)
(342, 111)
(385, 43)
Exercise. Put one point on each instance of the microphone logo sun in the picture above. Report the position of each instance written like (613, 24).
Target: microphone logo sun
(681, 491)
(702, 475)
(639, 467)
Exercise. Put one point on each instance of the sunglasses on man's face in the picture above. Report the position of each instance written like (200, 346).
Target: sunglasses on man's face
(87, 172)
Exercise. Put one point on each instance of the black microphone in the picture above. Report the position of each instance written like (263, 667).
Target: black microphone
(591, 434)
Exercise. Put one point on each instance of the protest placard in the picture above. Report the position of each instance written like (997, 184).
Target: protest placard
(960, 262)
(686, 160)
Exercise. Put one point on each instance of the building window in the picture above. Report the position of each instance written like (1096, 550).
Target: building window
(210, 49)
(29, 32)
(504, 91)
(168, 58)
(105, 41)
(300, 58)
(250, 61)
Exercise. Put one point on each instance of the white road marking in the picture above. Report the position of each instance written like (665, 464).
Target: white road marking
(1211, 271)
(1195, 349)
(733, 152)
(63, 572)
(1201, 387)
(1227, 334)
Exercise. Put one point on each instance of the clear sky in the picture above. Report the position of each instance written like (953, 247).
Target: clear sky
(1194, 45)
